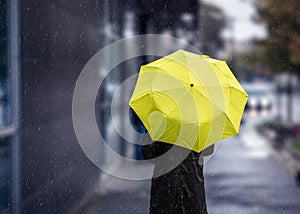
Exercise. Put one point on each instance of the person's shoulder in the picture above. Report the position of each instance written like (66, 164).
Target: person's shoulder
(209, 150)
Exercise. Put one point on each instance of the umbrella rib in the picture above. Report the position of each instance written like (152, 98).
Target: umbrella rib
(181, 64)
(169, 61)
(235, 128)
(176, 105)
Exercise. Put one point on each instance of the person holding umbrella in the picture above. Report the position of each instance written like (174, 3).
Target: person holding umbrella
(186, 102)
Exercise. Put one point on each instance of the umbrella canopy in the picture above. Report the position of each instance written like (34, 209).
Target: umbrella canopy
(189, 100)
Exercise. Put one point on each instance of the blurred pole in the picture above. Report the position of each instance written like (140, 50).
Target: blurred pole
(279, 89)
(104, 40)
(129, 28)
(279, 103)
(285, 85)
(14, 70)
(289, 99)
(290, 92)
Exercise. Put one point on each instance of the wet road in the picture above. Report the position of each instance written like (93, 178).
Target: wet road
(243, 177)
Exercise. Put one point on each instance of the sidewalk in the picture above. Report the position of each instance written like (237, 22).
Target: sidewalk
(244, 177)
(115, 195)
(289, 158)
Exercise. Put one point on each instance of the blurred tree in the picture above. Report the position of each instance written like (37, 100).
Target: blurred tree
(213, 21)
(281, 48)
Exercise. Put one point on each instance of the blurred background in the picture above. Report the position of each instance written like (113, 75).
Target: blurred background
(45, 44)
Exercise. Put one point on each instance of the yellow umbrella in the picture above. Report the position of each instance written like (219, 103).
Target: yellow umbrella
(189, 100)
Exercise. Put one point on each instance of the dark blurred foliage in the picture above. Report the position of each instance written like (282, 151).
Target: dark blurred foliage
(281, 48)
(213, 21)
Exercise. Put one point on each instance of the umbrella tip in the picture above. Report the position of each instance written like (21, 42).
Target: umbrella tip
(192, 85)
(206, 56)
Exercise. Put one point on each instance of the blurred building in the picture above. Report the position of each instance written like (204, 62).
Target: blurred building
(43, 47)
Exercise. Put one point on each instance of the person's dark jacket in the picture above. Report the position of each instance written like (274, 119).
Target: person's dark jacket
(180, 190)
